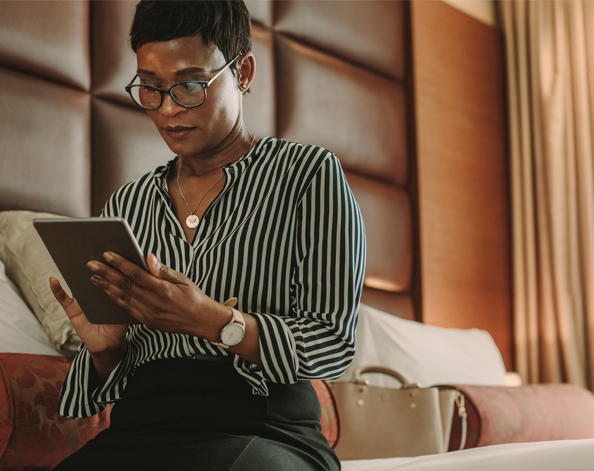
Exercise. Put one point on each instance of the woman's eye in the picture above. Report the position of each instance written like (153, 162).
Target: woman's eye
(190, 87)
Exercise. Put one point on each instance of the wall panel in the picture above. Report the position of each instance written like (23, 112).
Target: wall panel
(462, 169)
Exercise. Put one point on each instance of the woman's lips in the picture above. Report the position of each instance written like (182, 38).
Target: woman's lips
(177, 132)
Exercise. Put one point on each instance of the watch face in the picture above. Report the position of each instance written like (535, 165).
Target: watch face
(232, 334)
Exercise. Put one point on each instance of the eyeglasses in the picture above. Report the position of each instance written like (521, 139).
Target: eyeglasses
(189, 94)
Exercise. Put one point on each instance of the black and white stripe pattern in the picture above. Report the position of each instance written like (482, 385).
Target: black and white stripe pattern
(284, 236)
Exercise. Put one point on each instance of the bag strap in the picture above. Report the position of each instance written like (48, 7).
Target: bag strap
(380, 369)
(461, 403)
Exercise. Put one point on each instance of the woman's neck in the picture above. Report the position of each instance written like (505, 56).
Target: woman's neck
(229, 151)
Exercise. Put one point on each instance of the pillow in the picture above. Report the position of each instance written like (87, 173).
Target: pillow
(424, 354)
(32, 435)
(20, 331)
(531, 413)
(29, 265)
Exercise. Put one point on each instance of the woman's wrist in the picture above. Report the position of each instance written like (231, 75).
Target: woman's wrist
(106, 361)
(213, 317)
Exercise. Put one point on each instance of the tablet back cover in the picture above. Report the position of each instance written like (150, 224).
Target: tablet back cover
(73, 242)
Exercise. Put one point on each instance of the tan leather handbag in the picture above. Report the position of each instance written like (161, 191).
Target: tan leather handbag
(383, 422)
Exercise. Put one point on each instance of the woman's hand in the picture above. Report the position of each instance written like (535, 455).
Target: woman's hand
(97, 337)
(106, 343)
(162, 298)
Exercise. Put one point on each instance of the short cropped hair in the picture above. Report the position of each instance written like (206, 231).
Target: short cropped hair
(226, 23)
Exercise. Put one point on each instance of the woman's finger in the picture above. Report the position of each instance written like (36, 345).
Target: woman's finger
(59, 292)
(126, 293)
(68, 304)
(136, 274)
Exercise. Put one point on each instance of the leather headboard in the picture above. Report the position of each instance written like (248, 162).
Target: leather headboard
(328, 73)
(409, 95)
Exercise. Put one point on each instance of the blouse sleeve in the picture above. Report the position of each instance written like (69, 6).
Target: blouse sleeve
(80, 395)
(317, 339)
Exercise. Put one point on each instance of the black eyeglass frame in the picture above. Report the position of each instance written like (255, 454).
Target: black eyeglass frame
(161, 91)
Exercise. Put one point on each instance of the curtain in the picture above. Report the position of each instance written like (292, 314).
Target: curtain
(550, 61)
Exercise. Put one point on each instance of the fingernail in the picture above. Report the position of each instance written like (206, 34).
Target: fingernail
(95, 279)
(108, 256)
(156, 262)
(93, 265)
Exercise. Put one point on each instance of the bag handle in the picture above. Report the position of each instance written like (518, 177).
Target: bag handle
(380, 369)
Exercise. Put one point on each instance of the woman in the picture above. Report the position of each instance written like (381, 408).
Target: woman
(256, 265)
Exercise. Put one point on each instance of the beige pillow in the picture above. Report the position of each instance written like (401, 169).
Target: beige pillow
(29, 265)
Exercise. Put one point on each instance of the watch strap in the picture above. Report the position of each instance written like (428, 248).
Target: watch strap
(237, 318)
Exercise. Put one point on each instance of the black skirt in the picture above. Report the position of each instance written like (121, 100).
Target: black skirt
(202, 415)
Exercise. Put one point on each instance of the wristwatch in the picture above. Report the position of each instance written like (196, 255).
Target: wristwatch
(233, 332)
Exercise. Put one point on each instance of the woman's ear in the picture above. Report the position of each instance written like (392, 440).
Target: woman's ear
(246, 71)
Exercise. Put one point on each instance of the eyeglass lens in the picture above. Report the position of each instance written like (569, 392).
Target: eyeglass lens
(187, 94)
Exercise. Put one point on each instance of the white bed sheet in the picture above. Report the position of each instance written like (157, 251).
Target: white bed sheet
(562, 455)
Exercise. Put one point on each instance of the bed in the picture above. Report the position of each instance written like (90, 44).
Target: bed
(426, 164)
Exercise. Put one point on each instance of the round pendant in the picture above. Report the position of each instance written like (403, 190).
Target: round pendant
(192, 221)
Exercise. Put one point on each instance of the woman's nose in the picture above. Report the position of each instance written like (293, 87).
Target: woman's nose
(169, 107)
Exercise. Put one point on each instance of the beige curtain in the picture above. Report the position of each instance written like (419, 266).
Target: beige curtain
(550, 60)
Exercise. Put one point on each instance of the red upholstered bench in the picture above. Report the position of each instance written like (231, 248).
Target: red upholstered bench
(33, 436)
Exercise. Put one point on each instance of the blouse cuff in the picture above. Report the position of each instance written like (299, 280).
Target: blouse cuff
(280, 362)
(116, 382)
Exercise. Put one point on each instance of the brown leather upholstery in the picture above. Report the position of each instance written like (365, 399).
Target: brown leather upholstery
(333, 73)
(125, 145)
(47, 39)
(369, 33)
(44, 146)
(357, 114)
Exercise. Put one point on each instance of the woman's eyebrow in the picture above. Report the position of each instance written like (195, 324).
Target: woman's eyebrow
(187, 70)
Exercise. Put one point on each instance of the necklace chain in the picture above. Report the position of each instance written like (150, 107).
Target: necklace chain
(192, 220)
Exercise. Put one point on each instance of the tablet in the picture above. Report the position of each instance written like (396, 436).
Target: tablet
(73, 242)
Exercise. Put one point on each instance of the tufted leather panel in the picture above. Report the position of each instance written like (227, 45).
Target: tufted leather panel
(397, 304)
(358, 115)
(259, 106)
(47, 39)
(368, 33)
(261, 11)
(126, 145)
(329, 73)
(44, 146)
(388, 228)
(114, 62)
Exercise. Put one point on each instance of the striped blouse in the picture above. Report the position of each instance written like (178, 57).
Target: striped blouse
(284, 236)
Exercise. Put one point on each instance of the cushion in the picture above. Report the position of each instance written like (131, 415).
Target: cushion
(20, 331)
(530, 413)
(329, 417)
(29, 265)
(424, 354)
(32, 435)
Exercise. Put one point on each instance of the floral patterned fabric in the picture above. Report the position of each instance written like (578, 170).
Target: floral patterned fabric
(34, 437)
(330, 423)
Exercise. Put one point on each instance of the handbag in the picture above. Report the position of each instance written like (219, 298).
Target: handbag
(380, 422)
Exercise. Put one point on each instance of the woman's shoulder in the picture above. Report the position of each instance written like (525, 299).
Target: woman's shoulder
(294, 153)
(142, 187)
